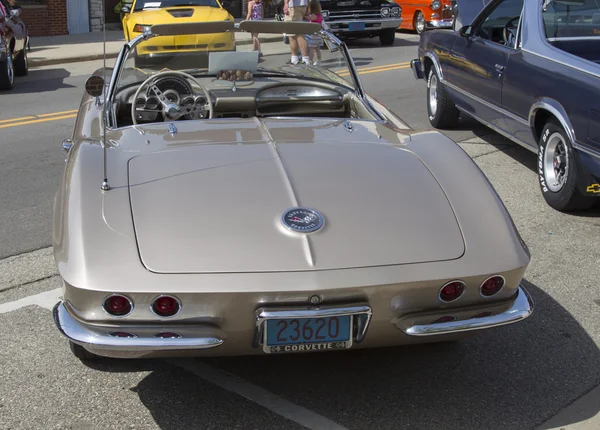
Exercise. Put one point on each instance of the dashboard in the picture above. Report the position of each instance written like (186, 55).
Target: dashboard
(174, 97)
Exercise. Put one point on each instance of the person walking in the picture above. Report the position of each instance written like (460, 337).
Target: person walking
(295, 10)
(255, 13)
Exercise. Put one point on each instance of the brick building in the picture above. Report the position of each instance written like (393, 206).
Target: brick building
(59, 17)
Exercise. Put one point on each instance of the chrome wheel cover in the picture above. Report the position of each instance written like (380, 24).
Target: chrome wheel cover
(433, 84)
(556, 162)
(420, 24)
(10, 69)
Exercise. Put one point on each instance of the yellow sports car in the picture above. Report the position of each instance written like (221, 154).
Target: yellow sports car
(140, 15)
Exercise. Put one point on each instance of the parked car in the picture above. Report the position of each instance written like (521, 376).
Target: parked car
(14, 40)
(355, 19)
(425, 15)
(261, 207)
(530, 71)
(140, 15)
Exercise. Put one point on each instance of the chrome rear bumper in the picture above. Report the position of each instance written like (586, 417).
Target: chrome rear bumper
(501, 314)
(98, 340)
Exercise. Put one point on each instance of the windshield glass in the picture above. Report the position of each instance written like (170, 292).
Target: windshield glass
(571, 18)
(146, 4)
(217, 59)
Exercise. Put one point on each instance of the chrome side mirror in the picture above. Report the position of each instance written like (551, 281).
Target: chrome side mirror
(94, 86)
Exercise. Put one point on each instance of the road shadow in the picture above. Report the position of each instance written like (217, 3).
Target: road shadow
(513, 377)
(39, 81)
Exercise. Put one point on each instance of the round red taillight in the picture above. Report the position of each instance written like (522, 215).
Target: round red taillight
(166, 306)
(448, 318)
(491, 286)
(168, 335)
(117, 305)
(452, 291)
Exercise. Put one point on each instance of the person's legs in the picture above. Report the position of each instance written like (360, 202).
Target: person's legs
(297, 41)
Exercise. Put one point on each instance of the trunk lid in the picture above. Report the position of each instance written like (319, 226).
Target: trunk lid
(217, 207)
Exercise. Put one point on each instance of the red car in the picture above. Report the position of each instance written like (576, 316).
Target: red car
(14, 40)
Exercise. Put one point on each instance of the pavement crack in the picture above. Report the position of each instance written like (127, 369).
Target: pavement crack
(12, 287)
(492, 152)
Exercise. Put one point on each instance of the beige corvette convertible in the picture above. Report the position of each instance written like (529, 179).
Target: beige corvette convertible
(235, 203)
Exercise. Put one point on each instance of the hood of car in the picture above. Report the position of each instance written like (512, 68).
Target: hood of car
(180, 14)
(216, 201)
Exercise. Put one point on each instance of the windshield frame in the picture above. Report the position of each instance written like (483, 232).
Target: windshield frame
(329, 37)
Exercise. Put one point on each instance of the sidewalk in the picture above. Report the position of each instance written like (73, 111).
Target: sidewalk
(90, 46)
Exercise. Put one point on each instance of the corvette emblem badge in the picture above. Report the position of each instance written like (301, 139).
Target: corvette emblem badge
(302, 220)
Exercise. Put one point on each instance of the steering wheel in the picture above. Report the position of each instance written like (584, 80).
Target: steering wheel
(171, 111)
(506, 32)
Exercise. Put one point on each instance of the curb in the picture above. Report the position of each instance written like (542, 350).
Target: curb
(110, 55)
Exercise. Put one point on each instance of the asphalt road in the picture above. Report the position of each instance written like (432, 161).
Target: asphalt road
(515, 377)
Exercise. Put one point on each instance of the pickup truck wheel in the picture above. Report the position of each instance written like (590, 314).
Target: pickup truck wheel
(558, 170)
(82, 353)
(21, 64)
(440, 108)
(387, 36)
(7, 73)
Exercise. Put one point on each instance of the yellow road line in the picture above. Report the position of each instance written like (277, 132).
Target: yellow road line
(35, 121)
(58, 113)
(385, 65)
(44, 115)
(376, 70)
(364, 69)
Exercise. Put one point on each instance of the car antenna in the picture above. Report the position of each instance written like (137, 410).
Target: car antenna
(105, 185)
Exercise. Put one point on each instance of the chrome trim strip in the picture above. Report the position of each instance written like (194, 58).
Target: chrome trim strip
(362, 312)
(502, 132)
(98, 338)
(556, 109)
(436, 64)
(587, 150)
(521, 309)
(564, 63)
(486, 103)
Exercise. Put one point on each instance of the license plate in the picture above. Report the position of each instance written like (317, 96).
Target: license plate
(356, 26)
(308, 334)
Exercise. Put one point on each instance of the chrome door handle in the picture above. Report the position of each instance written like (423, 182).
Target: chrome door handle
(499, 67)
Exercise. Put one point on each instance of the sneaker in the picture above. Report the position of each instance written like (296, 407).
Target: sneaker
(315, 63)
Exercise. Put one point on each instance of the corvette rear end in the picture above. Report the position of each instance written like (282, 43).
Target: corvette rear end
(214, 257)
(294, 214)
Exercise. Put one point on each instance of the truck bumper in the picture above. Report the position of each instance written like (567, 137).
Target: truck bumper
(417, 69)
